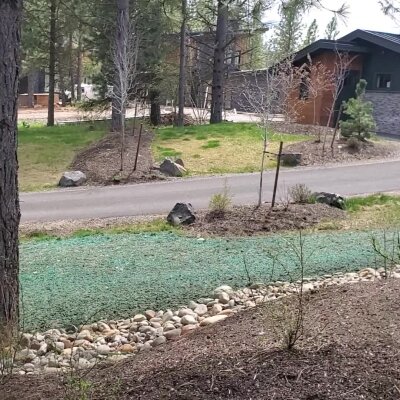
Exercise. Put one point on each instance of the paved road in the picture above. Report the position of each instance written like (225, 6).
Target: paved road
(159, 197)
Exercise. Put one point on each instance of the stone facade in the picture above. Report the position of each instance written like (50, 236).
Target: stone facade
(386, 111)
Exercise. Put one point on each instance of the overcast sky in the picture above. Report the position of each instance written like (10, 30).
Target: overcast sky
(363, 14)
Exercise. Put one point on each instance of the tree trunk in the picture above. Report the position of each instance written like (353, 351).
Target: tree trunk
(10, 36)
(182, 67)
(155, 110)
(120, 87)
(79, 71)
(31, 88)
(71, 68)
(218, 79)
(52, 62)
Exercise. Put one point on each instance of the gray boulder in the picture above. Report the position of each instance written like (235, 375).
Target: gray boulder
(170, 168)
(72, 178)
(331, 199)
(181, 214)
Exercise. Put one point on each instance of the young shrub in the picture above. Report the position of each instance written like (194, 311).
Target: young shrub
(360, 121)
(301, 194)
(220, 202)
(353, 144)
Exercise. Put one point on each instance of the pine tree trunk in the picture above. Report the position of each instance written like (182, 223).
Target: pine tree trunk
(10, 20)
(218, 79)
(79, 71)
(155, 109)
(52, 62)
(182, 67)
(71, 68)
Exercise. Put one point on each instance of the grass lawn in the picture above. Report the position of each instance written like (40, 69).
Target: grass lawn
(219, 148)
(46, 152)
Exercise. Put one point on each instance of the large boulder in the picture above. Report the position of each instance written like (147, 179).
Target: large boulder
(331, 199)
(171, 168)
(181, 214)
(72, 178)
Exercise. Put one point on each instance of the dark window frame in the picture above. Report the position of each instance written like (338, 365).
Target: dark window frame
(304, 90)
(383, 77)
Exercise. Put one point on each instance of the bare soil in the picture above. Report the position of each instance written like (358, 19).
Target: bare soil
(101, 161)
(313, 152)
(350, 350)
(249, 220)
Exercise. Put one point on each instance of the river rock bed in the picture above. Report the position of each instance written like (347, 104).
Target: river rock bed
(59, 350)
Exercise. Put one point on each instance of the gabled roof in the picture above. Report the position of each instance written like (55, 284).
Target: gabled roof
(334, 45)
(390, 41)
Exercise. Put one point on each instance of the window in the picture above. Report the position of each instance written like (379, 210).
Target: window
(304, 91)
(383, 81)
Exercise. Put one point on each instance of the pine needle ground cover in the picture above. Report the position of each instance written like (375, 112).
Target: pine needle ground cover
(82, 279)
(219, 148)
(46, 152)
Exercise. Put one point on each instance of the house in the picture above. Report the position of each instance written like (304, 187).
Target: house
(375, 57)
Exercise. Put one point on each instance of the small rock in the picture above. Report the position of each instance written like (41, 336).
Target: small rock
(216, 309)
(85, 335)
(188, 320)
(223, 297)
(150, 314)
(173, 334)
(59, 346)
(223, 288)
(201, 309)
(188, 328)
(192, 305)
(127, 348)
(171, 168)
(159, 341)
(167, 316)
(212, 320)
(181, 214)
(42, 350)
(103, 350)
(139, 318)
(184, 311)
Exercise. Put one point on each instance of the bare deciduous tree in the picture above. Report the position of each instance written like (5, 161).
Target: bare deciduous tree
(124, 57)
(10, 36)
(267, 93)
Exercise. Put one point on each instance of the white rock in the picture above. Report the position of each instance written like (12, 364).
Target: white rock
(139, 318)
(173, 334)
(103, 349)
(189, 320)
(201, 309)
(216, 308)
(167, 316)
(222, 297)
(212, 320)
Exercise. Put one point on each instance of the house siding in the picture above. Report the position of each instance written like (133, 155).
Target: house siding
(386, 111)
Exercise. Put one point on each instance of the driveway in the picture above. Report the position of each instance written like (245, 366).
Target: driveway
(160, 197)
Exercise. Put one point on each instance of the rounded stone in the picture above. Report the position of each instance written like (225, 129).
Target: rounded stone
(188, 320)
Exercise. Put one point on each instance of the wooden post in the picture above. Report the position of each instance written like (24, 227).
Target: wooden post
(337, 125)
(134, 120)
(278, 166)
(138, 145)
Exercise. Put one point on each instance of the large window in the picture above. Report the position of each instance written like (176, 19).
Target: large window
(383, 81)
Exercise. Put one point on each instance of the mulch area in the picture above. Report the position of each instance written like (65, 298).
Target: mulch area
(249, 220)
(350, 350)
(313, 152)
(101, 161)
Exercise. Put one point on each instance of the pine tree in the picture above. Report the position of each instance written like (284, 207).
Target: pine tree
(312, 33)
(331, 31)
(288, 34)
(360, 121)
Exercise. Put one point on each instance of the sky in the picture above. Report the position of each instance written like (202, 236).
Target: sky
(363, 14)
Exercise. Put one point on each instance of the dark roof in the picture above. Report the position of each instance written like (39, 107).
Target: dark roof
(324, 44)
(390, 41)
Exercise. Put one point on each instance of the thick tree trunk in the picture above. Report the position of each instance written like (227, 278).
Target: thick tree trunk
(79, 71)
(155, 109)
(52, 62)
(182, 67)
(10, 19)
(218, 79)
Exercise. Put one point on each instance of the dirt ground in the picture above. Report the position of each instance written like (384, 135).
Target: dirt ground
(313, 153)
(249, 221)
(350, 350)
(101, 161)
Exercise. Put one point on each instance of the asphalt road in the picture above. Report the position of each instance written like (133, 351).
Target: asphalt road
(160, 197)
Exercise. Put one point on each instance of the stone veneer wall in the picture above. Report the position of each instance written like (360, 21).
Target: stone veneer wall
(386, 111)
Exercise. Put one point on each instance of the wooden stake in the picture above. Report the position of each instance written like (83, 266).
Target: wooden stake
(278, 166)
(138, 146)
